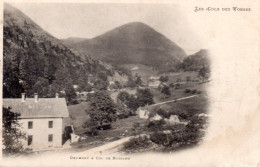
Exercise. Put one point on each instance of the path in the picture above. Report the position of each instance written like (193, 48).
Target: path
(111, 147)
(173, 100)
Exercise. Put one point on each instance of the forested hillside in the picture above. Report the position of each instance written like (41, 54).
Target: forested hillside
(132, 43)
(35, 61)
(196, 61)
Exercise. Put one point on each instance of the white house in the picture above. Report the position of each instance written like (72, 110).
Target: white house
(42, 119)
(153, 81)
(143, 113)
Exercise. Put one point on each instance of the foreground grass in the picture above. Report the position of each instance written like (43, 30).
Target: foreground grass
(120, 129)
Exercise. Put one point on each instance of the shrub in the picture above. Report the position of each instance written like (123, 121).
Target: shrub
(162, 113)
(177, 86)
(194, 91)
(187, 91)
(137, 143)
(92, 131)
(156, 125)
(188, 78)
(171, 85)
(164, 78)
(166, 90)
(122, 111)
(161, 138)
(91, 128)
(104, 127)
(159, 111)
(144, 97)
(178, 80)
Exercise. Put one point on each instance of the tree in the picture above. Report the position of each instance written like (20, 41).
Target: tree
(12, 85)
(132, 103)
(166, 90)
(123, 97)
(129, 100)
(100, 84)
(123, 111)
(144, 97)
(204, 72)
(118, 85)
(12, 134)
(138, 81)
(102, 108)
(91, 127)
(130, 82)
(41, 87)
(163, 78)
(70, 93)
(160, 111)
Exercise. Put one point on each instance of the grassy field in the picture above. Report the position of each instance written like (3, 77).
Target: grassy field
(120, 129)
(124, 127)
(180, 92)
(144, 71)
(78, 116)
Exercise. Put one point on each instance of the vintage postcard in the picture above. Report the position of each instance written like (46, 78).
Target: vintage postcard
(130, 83)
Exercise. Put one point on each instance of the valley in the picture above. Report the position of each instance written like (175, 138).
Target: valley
(130, 84)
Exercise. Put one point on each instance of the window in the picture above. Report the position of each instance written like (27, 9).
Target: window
(30, 125)
(50, 138)
(30, 139)
(50, 124)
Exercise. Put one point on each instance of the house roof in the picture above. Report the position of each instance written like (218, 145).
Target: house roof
(45, 107)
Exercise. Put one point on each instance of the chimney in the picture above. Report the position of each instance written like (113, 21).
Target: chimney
(23, 97)
(36, 97)
(57, 95)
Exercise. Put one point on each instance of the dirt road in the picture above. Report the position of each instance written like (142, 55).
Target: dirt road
(112, 147)
(174, 100)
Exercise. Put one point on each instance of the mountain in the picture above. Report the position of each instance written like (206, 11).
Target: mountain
(132, 43)
(196, 61)
(35, 61)
(72, 40)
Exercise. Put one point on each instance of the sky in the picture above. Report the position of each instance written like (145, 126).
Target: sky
(89, 20)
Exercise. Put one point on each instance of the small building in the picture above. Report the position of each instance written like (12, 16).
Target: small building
(42, 119)
(174, 119)
(154, 83)
(156, 118)
(143, 113)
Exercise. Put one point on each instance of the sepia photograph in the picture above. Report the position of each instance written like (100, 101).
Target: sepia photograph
(124, 79)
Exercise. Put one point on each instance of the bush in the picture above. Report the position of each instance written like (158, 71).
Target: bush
(104, 127)
(161, 138)
(187, 91)
(164, 78)
(188, 78)
(122, 111)
(92, 132)
(144, 97)
(122, 116)
(91, 128)
(137, 143)
(194, 91)
(177, 86)
(156, 125)
(166, 90)
(178, 80)
(159, 111)
(171, 85)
